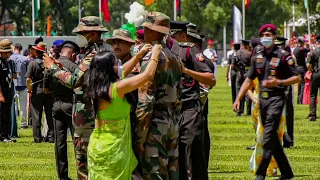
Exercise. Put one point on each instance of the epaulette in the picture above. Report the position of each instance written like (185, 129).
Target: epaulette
(186, 44)
(286, 53)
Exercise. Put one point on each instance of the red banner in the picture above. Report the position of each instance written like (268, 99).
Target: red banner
(105, 10)
(247, 3)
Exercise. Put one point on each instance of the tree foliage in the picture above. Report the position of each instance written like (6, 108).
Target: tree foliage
(209, 15)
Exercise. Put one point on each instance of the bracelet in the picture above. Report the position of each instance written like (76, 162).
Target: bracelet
(154, 60)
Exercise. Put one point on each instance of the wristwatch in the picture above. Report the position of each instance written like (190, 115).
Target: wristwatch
(29, 91)
(280, 84)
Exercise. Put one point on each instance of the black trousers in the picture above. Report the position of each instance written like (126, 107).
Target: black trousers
(38, 102)
(206, 136)
(191, 144)
(289, 117)
(271, 109)
(62, 117)
(248, 103)
(136, 174)
(5, 112)
(315, 84)
(239, 82)
(302, 71)
(233, 77)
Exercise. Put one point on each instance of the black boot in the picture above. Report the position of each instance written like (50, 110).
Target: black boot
(313, 118)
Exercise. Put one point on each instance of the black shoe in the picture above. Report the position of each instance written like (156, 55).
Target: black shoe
(24, 127)
(313, 118)
(286, 177)
(45, 139)
(65, 178)
(238, 114)
(50, 140)
(251, 147)
(37, 141)
(260, 177)
(288, 145)
(8, 140)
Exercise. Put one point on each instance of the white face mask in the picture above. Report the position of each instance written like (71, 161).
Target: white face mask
(82, 40)
(266, 41)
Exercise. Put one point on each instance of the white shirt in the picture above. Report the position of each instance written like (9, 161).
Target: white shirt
(212, 54)
(229, 53)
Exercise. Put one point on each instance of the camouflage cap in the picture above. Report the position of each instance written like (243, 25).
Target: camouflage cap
(121, 34)
(192, 31)
(5, 45)
(157, 21)
(90, 23)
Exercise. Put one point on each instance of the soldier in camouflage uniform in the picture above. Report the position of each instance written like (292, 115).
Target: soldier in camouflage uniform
(157, 140)
(89, 33)
(192, 161)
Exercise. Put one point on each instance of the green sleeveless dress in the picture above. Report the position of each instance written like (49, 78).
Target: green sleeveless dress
(110, 154)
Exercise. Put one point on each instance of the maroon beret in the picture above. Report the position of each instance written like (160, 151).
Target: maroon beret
(268, 27)
(140, 34)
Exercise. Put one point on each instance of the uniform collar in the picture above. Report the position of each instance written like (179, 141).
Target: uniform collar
(64, 58)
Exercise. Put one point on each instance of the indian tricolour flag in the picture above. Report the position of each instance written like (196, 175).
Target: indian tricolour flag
(36, 9)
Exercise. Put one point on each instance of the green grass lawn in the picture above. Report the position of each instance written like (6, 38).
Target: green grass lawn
(230, 136)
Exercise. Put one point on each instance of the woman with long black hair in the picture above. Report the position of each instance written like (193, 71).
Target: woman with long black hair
(110, 155)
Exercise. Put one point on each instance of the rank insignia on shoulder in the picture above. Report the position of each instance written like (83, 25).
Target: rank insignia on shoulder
(291, 62)
(186, 44)
(284, 52)
(199, 57)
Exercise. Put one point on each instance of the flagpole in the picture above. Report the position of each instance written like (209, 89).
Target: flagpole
(32, 17)
(174, 10)
(79, 6)
(100, 11)
(293, 20)
(243, 20)
(224, 42)
(121, 18)
(308, 20)
(285, 29)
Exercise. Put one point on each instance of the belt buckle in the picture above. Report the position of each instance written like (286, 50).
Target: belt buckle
(265, 95)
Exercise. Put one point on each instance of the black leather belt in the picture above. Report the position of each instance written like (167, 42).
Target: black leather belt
(267, 94)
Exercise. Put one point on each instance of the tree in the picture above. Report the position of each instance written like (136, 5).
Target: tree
(209, 15)
(16, 12)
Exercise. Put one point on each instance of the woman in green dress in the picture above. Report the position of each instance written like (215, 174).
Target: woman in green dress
(110, 155)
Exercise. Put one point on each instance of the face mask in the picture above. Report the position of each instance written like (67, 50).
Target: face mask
(119, 69)
(82, 40)
(266, 41)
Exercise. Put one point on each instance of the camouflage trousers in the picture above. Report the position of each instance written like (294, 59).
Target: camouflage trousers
(160, 157)
(83, 122)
